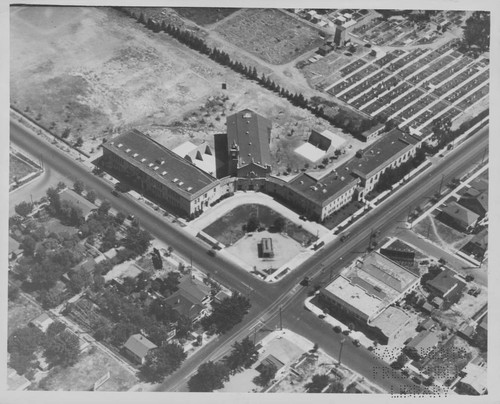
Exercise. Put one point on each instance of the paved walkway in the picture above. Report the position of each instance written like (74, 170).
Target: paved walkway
(250, 197)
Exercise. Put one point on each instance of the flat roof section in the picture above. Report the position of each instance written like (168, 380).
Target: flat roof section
(353, 296)
(326, 188)
(381, 153)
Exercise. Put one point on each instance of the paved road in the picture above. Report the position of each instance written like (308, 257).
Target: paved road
(267, 298)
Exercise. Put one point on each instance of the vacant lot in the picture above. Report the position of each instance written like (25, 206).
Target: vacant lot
(270, 34)
(97, 72)
(204, 16)
(21, 312)
(229, 228)
(83, 375)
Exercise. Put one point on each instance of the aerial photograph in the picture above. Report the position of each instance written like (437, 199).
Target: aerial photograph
(248, 200)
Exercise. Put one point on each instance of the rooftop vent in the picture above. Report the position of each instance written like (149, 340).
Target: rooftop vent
(126, 151)
(175, 179)
(143, 160)
(120, 145)
(150, 165)
(181, 183)
(163, 173)
(135, 154)
(189, 188)
(156, 168)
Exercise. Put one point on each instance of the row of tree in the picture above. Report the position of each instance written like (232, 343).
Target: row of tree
(392, 175)
(212, 375)
(342, 119)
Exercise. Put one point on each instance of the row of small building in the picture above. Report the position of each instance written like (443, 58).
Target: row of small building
(244, 162)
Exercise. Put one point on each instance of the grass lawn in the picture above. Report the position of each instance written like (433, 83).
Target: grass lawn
(342, 214)
(21, 312)
(229, 228)
(54, 225)
(83, 375)
(18, 169)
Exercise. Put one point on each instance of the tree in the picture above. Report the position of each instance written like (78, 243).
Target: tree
(227, 313)
(244, 354)
(63, 349)
(79, 142)
(477, 30)
(161, 362)
(28, 245)
(335, 387)
(158, 333)
(91, 195)
(104, 207)
(400, 361)
(137, 240)
(317, 384)
(122, 331)
(279, 224)
(21, 363)
(120, 218)
(24, 208)
(13, 292)
(78, 186)
(25, 340)
(252, 223)
(209, 377)
(55, 328)
(267, 373)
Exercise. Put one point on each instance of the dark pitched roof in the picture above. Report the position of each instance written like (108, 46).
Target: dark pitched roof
(445, 281)
(139, 345)
(477, 203)
(251, 132)
(184, 304)
(460, 213)
(381, 153)
(162, 164)
(195, 288)
(327, 188)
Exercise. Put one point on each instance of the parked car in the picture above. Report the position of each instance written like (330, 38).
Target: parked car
(212, 253)
(305, 281)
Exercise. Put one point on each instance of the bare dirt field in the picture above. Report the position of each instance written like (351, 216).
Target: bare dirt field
(96, 72)
(270, 34)
(90, 367)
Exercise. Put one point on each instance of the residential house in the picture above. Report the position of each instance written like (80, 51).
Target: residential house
(458, 217)
(446, 286)
(137, 347)
(42, 322)
(423, 344)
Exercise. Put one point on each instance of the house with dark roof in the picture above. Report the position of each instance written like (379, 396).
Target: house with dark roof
(458, 217)
(137, 347)
(198, 290)
(475, 202)
(160, 173)
(186, 305)
(447, 286)
(248, 139)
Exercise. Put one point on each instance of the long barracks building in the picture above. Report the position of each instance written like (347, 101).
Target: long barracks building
(178, 183)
